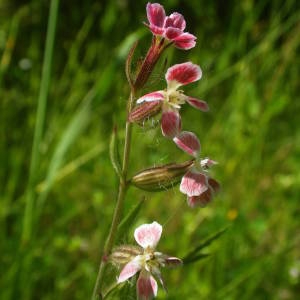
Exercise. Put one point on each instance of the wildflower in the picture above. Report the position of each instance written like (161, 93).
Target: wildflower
(196, 184)
(167, 30)
(146, 261)
(170, 27)
(172, 98)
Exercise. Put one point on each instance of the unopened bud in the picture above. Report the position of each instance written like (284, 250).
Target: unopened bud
(123, 254)
(207, 163)
(144, 111)
(168, 261)
(161, 178)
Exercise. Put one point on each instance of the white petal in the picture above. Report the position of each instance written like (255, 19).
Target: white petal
(148, 235)
(154, 96)
(130, 269)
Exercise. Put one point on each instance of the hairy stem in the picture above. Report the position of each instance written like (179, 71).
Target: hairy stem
(119, 206)
(145, 71)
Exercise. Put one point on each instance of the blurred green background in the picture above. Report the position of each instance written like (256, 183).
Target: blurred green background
(249, 53)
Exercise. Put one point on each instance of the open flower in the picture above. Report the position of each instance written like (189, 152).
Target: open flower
(170, 27)
(196, 183)
(146, 261)
(167, 30)
(172, 98)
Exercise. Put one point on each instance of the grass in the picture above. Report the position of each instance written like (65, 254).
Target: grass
(248, 53)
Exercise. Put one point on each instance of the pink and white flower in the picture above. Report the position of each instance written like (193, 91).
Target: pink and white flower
(172, 98)
(147, 262)
(170, 27)
(196, 183)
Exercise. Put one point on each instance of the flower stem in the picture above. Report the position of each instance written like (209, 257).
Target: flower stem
(148, 64)
(119, 205)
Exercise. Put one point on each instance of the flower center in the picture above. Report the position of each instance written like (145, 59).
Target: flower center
(174, 98)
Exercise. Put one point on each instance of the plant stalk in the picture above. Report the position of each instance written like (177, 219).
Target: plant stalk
(148, 64)
(119, 205)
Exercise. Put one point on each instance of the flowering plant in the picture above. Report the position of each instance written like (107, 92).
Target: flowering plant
(199, 187)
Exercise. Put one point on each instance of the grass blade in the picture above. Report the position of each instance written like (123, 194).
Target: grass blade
(40, 120)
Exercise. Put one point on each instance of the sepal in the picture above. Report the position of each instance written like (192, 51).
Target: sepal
(162, 177)
(144, 111)
(123, 254)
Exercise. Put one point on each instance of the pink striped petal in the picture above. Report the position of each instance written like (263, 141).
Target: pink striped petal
(199, 104)
(201, 200)
(214, 184)
(148, 235)
(188, 142)
(155, 29)
(156, 14)
(175, 20)
(172, 33)
(193, 184)
(206, 197)
(182, 74)
(154, 96)
(185, 41)
(170, 123)
(129, 270)
(146, 287)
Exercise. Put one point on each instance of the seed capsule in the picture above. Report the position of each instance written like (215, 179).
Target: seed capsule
(162, 177)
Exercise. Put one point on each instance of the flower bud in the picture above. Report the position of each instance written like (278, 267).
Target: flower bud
(162, 177)
(144, 111)
(123, 254)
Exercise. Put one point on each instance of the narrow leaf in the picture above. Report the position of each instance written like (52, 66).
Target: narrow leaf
(110, 289)
(129, 219)
(195, 252)
(114, 153)
(128, 64)
(75, 127)
(195, 258)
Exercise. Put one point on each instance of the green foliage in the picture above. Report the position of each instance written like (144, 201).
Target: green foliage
(195, 254)
(114, 153)
(128, 221)
(248, 52)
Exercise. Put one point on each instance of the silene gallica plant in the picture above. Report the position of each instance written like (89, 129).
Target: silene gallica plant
(141, 264)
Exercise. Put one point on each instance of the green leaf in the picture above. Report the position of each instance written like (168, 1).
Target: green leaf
(195, 253)
(129, 219)
(75, 127)
(195, 258)
(114, 153)
(128, 64)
